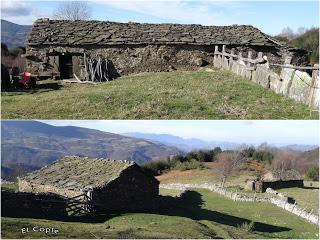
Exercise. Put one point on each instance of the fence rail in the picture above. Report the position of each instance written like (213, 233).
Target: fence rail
(292, 82)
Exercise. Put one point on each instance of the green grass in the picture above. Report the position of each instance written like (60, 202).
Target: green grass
(175, 95)
(308, 198)
(10, 186)
(169, 192)
(202, 214)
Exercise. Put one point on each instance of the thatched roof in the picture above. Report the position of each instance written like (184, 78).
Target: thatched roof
(75, 33)
(76, 173)
(278, 175)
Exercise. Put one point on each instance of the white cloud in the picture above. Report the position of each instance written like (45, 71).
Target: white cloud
(15, 8)
(182, 11)
(20, 12)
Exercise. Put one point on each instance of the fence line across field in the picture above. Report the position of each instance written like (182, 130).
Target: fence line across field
(235, 196)
(293, 81)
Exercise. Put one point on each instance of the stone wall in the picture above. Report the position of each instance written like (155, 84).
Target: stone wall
(261, 186)
(25, 186)
(279, 201)
(19, 204)
(127, 59)
(291, 82)
(133, 190)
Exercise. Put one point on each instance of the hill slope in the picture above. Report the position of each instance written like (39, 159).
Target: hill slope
(217, 94)
(14, 35)
(37, 144)
(309, 41)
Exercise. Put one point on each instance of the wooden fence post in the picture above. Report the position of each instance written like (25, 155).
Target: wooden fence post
(287, 60)
(216, 49)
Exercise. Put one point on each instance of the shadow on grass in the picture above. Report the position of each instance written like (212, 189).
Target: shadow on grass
(310, 187)
(189, 206)
(43, 87)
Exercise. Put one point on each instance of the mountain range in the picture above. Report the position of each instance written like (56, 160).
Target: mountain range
(188, 144)
(32, 144)
(183, 143)
(14, 35)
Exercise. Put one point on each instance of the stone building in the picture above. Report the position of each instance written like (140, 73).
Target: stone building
(109, 184)
(65, 49)
(276, 180)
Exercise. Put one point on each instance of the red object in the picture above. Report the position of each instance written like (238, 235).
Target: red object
(26, 79)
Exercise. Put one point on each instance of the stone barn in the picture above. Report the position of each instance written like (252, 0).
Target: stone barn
(276, 180)
(96, 50)
(112, 185)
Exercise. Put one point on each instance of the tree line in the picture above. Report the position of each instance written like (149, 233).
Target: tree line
(228, 161)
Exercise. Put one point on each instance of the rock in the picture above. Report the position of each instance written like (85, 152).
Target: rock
(200, 62)
(300, 87)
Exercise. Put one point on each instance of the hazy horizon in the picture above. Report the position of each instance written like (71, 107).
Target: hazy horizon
(278, 132)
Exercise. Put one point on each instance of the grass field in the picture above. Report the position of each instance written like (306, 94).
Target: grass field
(201, 214)
(175, 95)
(305, 197)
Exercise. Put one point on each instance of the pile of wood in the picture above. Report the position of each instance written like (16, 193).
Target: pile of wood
(95, 70)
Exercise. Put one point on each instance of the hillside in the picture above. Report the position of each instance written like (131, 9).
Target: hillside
(36, 144)
(14, 35)
(309, 41)
(210, 94)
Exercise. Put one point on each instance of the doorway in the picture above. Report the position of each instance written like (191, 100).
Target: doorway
(66, 67)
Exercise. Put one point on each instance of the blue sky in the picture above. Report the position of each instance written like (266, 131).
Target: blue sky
(270, 16)
(240, 131)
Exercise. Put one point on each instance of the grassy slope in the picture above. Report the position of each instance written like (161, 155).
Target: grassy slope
(306, 197)
(175, 95)
(203, 214)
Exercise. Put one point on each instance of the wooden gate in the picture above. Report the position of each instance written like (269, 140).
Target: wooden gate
(80, 205)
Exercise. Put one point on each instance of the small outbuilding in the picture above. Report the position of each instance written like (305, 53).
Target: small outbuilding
(110, 185)
(276, 179)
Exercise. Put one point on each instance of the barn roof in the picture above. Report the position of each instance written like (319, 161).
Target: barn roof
(76, 173)
(278, 175)
(65, 32)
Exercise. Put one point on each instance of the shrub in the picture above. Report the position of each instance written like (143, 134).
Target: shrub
(263, 156)
(248, 152)
(193, 164)
(313, 174)
(309, 41)
(156, 167)
(246, 227)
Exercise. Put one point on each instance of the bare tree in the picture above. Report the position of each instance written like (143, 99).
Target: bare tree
(227, 163)
(285, 159)
(75, 10)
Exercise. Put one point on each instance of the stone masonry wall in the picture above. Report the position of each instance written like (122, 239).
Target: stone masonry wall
(133, 190)
(281, 202)
(25, 186)
(19, 204)
(127, 59)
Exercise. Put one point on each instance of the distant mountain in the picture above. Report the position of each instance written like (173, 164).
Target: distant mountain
(36, 144)
(301, 148)
(182, 143)
(311, 155)
(14, 35)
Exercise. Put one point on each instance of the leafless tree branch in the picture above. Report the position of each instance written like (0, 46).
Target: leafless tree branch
(75, 10)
